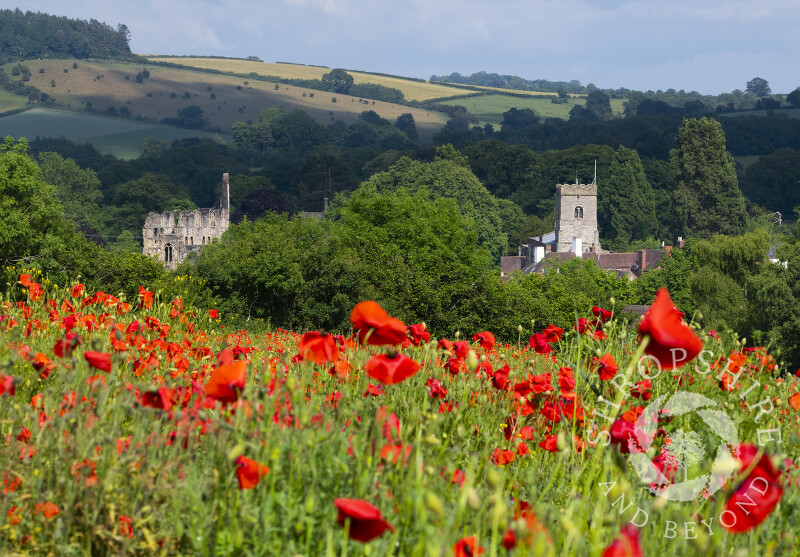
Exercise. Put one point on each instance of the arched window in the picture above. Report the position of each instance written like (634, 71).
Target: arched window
(578, 212)
(168, 253)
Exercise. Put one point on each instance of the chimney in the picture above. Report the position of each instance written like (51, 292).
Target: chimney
(577, 247)
(538, 254)
(680, 241)
(642, 260)
(325, 205)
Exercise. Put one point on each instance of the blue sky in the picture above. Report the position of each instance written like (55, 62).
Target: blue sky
(711, 46)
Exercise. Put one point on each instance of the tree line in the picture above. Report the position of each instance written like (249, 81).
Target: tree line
(27, 35)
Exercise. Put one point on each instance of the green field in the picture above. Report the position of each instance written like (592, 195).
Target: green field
(223, 99)
(114, 136)
(412, 89)
(490, 108)
(9, 102)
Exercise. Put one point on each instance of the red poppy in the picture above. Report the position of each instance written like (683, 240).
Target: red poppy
(26, 280)
(213, 314)
(486, 340)
(64, 346)
(145, 298)
(602, 315)
(366, 521)
(98, 360)
(552, 333)
(550, 443)
(318, 347)
(467, 547)
(390, 369)
(125, 526)
(249, 472)
(501, 457)
(539, 343)
(756, 496)
(374, 325)
(418, 334)
(626, 544)
(227, 381)
(162, 398)
(77, 291)
(607, 367)
(794, 401)
(49, 509)
(672, 342)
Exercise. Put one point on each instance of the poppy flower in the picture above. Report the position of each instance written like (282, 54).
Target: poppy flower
(552, 333)
(145, 298)
(390, 369)
(794, 401)
(64, 346)
(756, 496)
(98, 360)
(672, 342)
(626, 544)
(602, 315)
(213, 314)
(607, 367)
(467, 547)
(418, 334)
(374, 325)
(366, 521)
(49, 509)
(162, 398)
(318, 347)
(227, 381)
(501, 457)
(249, 472)
(550, 443)
(539, 343)
(486, 340)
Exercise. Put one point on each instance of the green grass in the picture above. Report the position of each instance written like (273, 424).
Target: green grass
(10, 102)
(115, 136)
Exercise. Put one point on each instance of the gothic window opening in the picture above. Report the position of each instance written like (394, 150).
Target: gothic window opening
(168, 253)
(579, 212)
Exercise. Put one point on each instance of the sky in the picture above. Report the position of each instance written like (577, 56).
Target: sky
(710, 46)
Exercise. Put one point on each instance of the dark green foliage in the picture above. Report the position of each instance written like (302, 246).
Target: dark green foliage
(337, 81)
(258, 202)
(774, 181)
(758, 86)
(793, 98)
(707, 199)
(449, 176)
(37, 35)
(599, 104)
(630, 211)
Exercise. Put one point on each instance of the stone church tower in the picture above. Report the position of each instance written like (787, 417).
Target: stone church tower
(576, 218)
(172, 235)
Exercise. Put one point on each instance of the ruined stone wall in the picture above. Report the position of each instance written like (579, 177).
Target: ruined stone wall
(172, 235)
(576, 217)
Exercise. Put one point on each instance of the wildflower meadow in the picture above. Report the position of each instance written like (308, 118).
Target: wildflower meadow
(149, 427)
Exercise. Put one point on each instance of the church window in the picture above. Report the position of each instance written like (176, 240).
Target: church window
(579, 212)
(168, 253)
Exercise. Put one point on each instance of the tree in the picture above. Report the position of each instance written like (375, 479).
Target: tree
(256, 204)
(515, 119)
(758, 87)
(599, 103)
(707, 199)
(630, 212)
(449, 176)
(793, 98)
(337, 81)
(405, 123)
(78, 190)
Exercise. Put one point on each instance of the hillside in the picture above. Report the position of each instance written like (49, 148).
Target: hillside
(111, 87)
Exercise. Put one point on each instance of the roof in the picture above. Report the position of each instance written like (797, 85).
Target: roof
(637, 309)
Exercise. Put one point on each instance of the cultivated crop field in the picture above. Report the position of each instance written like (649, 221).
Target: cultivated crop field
(413, 90)
(115, 136)
(224, 99)
(148, 426)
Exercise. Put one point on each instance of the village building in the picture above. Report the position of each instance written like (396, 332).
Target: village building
(576, 235)
(172, 235)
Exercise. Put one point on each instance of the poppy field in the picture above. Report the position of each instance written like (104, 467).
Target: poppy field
(148, 427)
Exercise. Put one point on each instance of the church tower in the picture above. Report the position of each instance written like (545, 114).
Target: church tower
(576, 218)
